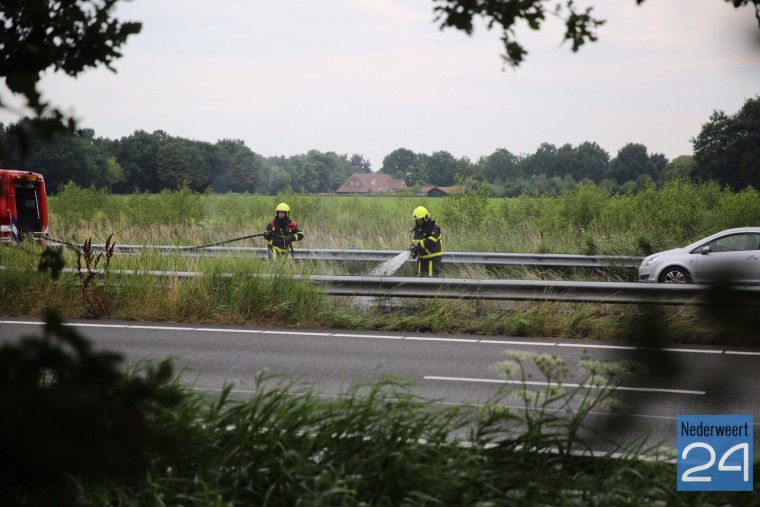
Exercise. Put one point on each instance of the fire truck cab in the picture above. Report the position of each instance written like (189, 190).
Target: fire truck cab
(23, 206)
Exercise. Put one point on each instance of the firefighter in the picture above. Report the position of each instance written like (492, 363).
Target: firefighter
(282, 232)
(426, 245)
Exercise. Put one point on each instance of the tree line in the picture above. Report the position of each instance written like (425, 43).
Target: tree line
(727, 151)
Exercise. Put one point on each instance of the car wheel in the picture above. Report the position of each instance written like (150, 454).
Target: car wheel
(675, 275)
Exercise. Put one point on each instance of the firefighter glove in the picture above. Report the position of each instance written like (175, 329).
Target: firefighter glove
(290, 237)
(268, 235)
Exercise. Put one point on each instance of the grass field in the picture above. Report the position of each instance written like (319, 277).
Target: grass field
(587, 220)
(93, 434)
(378, 444)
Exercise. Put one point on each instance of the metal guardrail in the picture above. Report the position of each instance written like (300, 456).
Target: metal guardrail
(517, 290)
(534, 290)
(479, 258)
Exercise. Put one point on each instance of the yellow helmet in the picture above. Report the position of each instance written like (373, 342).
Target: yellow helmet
(282, 207)
(420, 212)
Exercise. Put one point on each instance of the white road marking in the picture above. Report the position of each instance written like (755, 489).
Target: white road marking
(688, 351)
(389, 337)
(76, 324)
(221, 330)
(296, 332)
(555, 384)
(435, 339)
(507, 342)
(161, 328)
(379, 336)
(589, 346)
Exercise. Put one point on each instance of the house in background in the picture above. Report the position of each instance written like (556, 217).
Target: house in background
(370, 183)
(440, 191)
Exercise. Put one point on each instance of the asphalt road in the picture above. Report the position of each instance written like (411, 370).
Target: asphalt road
(453, 369)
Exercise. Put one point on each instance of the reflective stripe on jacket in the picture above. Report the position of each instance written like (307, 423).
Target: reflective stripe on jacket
(428, 237)
(282, 228)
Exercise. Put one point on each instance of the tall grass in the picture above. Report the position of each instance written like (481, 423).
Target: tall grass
(246, 289)
(582, 220)
(251, 290)
(375, 444)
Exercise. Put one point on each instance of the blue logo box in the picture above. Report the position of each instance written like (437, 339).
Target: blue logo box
(715, 452)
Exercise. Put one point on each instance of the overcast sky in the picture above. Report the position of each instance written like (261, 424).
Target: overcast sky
(371, 76)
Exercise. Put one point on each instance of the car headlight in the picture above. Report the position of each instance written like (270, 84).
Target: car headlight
(651, 260)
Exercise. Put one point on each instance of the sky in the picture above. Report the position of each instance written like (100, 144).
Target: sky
(370, 76)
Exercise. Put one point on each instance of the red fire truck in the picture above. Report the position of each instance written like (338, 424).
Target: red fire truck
(23, 206)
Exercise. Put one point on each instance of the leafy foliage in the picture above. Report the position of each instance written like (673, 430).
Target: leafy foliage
(156, 161)
(580, 24)
(399, 163)
(69, 411)
(94, 278)
(634, 162)
(727, 149)
(182, 163)
(65, 35)
(79, 431)
(74, 35)
(587, 220)
(467, 210)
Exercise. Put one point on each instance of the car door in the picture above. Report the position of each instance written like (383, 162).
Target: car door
(751, 260)
(734, 257)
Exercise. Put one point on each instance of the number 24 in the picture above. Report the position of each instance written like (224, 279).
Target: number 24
(687, 475)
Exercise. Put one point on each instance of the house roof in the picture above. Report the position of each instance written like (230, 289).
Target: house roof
(364, 183)
(456, 189)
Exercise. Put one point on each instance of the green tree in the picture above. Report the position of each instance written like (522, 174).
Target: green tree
(680, 168)
(542, 184)
(565, 160)
(633, 161)
(114, 173)
(361, 164)
(466, 209)
(63, 35)
(319, 172)
(444, 167)
(543, 161)
(727, 149)
(137, 155)
(660, 162)
(591, 162)
(235, 167)
(182, 163)
(277, 176)
(580, 23)
(66, 156)
(399, 163)
(339, 170)
(499, 167)
(278, 180)
(421, 174)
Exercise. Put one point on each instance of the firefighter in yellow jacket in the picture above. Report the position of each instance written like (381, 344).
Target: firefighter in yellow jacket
(426, 245)
(282, 232)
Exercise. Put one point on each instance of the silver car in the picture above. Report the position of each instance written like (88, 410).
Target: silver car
(730, 255)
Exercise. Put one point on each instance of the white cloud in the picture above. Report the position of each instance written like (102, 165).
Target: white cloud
(372, 76)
